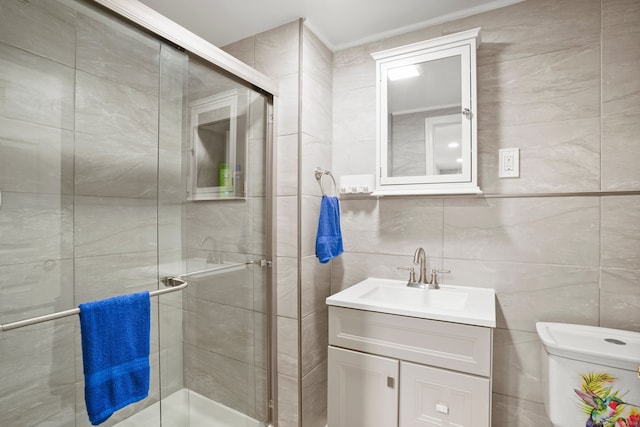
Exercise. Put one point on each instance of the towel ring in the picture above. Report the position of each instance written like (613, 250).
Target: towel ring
(319, 173)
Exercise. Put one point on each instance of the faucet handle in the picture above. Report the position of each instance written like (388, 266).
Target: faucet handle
(412, 273)
(433, 279)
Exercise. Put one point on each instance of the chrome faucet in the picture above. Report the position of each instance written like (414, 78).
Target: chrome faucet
(420, 258)
(212, 258)
(423, 281)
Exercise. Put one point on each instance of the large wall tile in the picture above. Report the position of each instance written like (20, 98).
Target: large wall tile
(221, 329)
(554, 86)
(288, 401)
(35, 289)
(227, 222)
(36, 90)
(316, 107)
(316, 153)
(620, 57)
(233, 288)
(533, 28)
(35, 227)
(286, 226)
(530, 293)
(393, 226)
(231, 384)
(106, 276)
(620, 299)
(315, 339)
(534, 230)
(309, 224)
(287, 346)
(555, 157)
(314, 397)
(287, 287)
(287, 165)
(316, 285)
(620, 152)
(277, 50)
(288, 103)
(516, 364)
(244, 50)
(108, 225)
(37, 373)
(354, 116)
(41, 158)
(117, 52)
(43, 27)
(514, 412)
(621, 232)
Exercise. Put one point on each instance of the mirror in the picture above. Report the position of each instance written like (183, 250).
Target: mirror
(426, 125)
(216, 148)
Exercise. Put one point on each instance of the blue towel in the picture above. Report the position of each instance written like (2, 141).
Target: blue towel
(329, 236)
(115, 353)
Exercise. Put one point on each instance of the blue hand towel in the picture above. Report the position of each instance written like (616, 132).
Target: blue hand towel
(115, 353)
(329, 236)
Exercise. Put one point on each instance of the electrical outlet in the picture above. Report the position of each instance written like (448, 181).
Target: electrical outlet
(509, 162)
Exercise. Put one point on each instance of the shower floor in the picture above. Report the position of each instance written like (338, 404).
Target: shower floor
(186, 408)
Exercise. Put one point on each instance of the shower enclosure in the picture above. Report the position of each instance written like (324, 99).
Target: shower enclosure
(126, 159)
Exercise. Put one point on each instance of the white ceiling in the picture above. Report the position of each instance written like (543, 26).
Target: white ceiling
(338, 23)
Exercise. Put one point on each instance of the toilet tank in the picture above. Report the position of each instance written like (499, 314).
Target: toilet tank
(591, 375)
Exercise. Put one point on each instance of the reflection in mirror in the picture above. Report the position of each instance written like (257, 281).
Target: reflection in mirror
(424, 104)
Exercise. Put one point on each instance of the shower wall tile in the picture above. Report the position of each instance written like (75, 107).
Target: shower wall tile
(37, 372)
(256, 185)
(621, 232)
(37, 159)
(99, 277)
(41, 27)
(277, 50)
(35, 289)
(555, 157)
(116, 139)
(314, 397)
(35, 227)
(35, 89)
(620, 299)
(532, 28)
(543, 230)
(393, 226)
(315, 339)
(258, 228)
(233, 288)
(109, 225)
(221, 329)
(231, 383)
(287, 165)
(204, 80)
(554, 86)
(516, 364)
(228, 222)
(530, 293)
(288, 104)
(174, 69)
(117, 52)
(513, 412)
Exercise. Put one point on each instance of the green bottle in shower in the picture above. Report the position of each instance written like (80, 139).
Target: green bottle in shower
(225, 178)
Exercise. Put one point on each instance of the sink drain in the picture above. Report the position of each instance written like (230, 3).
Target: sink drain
(615, 341)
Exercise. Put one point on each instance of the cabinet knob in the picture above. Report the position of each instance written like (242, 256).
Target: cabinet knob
(390, 382)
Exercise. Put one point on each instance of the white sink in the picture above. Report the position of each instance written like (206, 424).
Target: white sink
(460, 304)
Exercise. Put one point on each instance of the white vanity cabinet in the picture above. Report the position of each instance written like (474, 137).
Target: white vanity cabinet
(388, 370)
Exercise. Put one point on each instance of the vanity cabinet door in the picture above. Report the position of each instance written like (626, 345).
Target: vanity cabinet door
(437, 397)
(362, 390)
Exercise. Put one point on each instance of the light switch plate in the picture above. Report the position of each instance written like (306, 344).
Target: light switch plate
(509, 162)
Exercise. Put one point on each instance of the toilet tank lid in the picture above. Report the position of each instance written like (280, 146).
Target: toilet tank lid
(608, 347)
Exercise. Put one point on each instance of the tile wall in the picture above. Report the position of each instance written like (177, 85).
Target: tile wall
(559, 80)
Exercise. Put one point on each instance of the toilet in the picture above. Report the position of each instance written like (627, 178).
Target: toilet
(590, 375)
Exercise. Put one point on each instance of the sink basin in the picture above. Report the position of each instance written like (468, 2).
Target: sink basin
(459, 304)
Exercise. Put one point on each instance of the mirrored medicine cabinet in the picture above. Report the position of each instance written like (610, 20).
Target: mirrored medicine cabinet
(426, 105)
(218, 147)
